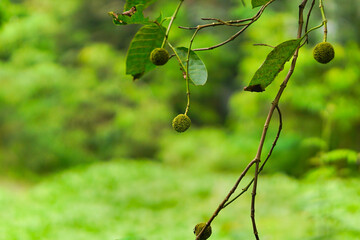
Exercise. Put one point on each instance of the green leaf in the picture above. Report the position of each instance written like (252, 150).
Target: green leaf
(197, 69)
(130, 3)
(274, 63)
(258, 3)
(145, 40)
(133, 16)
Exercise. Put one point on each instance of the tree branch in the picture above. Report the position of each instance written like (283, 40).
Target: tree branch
(263, 164)
(171, 23)
(308, 18)
(256, 161)
(234, 23)
(221, 205)
(268, 119)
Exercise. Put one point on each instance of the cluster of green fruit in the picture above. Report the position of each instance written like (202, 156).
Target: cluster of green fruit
(323, 53)
(160, 56)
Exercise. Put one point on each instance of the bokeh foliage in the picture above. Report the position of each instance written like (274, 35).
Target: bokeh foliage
(65, 99)
(66, 103)
(129, 200)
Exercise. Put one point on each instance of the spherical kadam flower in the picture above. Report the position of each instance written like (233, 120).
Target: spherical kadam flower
(323, 52)
(207, 232)
(181, 123)
(159, 56)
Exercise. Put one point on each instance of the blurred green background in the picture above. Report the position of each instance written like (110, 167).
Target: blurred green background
(86, 153)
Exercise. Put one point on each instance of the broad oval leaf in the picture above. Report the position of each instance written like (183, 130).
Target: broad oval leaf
(197, 69)
(145, 40)
(258, 3)
(274, 63)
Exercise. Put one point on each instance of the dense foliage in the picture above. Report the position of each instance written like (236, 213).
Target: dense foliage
(129, 200)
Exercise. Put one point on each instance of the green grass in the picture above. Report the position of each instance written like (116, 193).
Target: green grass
(135, 200)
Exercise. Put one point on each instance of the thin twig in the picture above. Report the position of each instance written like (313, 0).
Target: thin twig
(226, 41)
(228, 22)
(321, 6)
(255, 18)
(232, 23)
(257, 169)
(276, 138)
(253, 196)
(266, 160)
(308, 19)
(171, 22)
(235, 23)
(268, 119)
(221, 205)
(166, 36)
(176, 55)
(187, 73)
(219, 22)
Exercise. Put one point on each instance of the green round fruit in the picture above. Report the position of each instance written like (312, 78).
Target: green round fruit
(323, 52)
(207, 232)
(159, 56)
(181, 123)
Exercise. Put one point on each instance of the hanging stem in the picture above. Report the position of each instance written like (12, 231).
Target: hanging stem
(171, 23)
(173, 49)
(177, 56)
(187, 93)
(321, 6)
(187, 71)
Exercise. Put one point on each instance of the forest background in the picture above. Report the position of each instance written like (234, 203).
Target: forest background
(86, 153)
